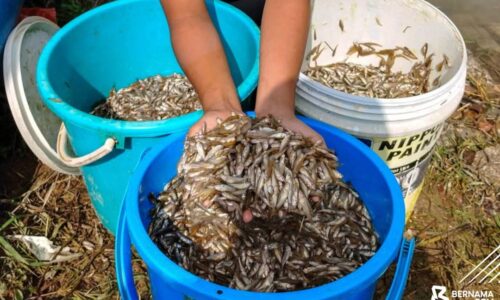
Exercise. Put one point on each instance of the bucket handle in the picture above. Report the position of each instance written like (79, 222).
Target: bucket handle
(62, 141)
(398, 285)
(123, 257)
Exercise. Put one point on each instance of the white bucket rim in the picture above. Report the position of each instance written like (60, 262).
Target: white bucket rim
(380, 113)
(383, 102)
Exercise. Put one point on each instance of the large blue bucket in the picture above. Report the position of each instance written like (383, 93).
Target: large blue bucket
(113, 46)
(9, 11)
(364, 169)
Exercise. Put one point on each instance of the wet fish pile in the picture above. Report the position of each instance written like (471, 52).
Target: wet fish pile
(308, 227)
(153, 98)
(376, 81)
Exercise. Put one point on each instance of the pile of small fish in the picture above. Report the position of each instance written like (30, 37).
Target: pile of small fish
(308, 226)
(153, 98)
(376, 81)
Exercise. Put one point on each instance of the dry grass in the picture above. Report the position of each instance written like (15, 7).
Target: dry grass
(456, 220)
(58, 207)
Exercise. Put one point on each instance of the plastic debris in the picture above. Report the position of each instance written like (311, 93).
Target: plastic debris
(44, 250)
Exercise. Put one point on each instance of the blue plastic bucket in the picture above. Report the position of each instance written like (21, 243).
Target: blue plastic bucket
(9, 11)
(113, 46)
(364, 169)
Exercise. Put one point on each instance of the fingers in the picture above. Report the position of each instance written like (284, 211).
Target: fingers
(313, 135)
(317, 138)
(193, 130)
(315, 198)
(197, 128)
(247, 216)
(207, 123)
(300, 127)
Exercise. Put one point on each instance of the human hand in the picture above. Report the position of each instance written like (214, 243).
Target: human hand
(294, 124)
(209, 120)
(291, 122)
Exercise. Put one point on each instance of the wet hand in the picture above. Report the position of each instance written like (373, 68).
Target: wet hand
(209, 120)
(292, 123)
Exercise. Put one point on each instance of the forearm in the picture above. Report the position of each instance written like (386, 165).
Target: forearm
(285, 24)
(200, 53)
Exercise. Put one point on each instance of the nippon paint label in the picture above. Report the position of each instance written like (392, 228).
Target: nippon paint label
(401, 153)
(408, 158)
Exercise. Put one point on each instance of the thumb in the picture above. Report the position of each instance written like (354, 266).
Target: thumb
(196, 128)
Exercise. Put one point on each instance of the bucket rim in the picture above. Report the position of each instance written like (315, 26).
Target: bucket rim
(384, 113)
(132, 128)
(388, 102)
(365, 275)
(306, 83)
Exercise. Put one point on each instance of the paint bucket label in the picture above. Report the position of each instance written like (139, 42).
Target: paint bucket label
(408, 158)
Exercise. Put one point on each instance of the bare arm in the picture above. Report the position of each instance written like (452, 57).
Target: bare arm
(200, 53)
(285, 25)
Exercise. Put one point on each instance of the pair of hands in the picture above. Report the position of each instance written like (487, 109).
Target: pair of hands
(288, 120)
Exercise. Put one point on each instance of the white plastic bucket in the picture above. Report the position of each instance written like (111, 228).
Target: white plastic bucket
(401, 131)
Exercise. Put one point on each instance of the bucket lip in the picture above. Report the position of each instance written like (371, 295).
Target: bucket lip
(364, 276)
(305, 81)
(383, 114)
(388, 102)
(132, 128)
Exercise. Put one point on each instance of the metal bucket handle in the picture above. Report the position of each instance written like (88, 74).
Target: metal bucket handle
(125, 274)
(62, 141)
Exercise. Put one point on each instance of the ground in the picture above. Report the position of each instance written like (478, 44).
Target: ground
(456, 219)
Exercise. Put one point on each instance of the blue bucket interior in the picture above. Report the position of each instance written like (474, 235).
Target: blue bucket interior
(370, 177)
(120, 42)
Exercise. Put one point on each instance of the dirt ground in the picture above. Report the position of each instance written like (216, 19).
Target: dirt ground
(456, 219)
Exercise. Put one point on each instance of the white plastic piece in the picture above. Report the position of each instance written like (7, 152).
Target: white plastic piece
(36, 123)
(62, 141)
(44, 250)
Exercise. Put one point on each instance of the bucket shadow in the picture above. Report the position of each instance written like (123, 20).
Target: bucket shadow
(17, 162)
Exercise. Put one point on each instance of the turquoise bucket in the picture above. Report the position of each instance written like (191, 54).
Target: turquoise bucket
(113, 46)
(360, 166)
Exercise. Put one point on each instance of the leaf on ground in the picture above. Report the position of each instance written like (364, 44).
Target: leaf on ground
(484, 125)
(11, 251)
